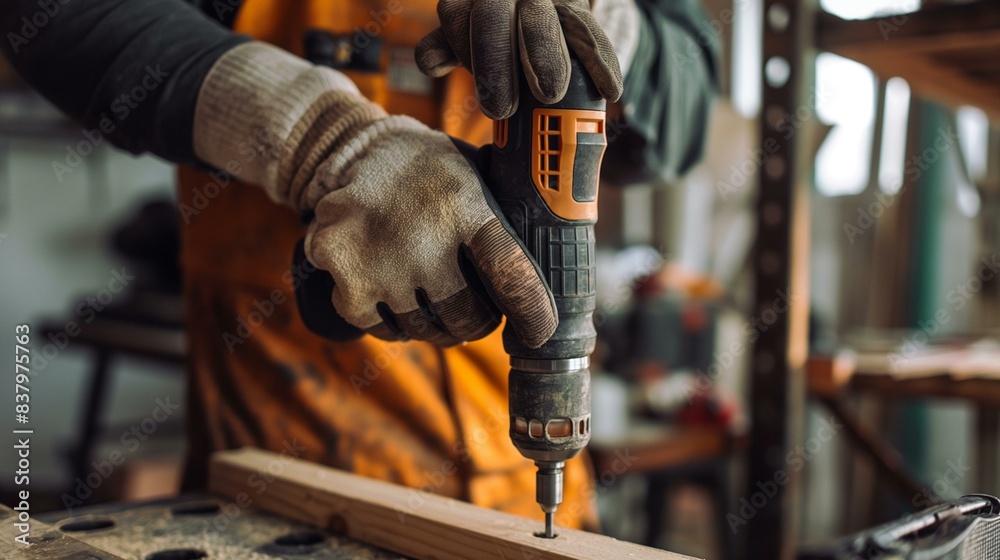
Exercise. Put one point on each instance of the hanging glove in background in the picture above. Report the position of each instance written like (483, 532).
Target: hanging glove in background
(488, 37)
(403, 222)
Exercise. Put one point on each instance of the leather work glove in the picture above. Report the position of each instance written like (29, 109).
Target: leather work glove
(488, 36)
(402, 221)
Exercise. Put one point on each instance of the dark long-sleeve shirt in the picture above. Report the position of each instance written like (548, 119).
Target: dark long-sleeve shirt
(132, 70)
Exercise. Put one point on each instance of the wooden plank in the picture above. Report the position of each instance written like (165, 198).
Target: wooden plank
(931, 28)
(829, 374)
(45, 541)
(419, 525)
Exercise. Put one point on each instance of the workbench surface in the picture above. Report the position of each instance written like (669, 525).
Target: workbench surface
(217, 528)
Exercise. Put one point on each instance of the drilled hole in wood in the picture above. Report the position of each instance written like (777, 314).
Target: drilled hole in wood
(300, 539)
(200, 508)
(178, 554)
(87, 526)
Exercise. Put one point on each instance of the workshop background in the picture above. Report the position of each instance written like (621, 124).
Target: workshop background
(894, 257)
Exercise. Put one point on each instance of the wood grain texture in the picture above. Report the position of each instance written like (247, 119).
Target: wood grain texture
(46, 542)
(419, 525)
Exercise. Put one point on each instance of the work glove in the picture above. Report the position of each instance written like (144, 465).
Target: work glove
(488, 36)
(402, 221)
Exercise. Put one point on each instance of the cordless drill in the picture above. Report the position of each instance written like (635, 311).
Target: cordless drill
(543, 171)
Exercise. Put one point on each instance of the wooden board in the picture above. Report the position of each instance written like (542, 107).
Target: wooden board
(45, 542)
(412, 523)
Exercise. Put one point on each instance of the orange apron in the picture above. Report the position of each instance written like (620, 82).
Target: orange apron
(408, 413)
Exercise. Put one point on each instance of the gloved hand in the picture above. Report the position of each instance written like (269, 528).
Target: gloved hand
(403, 222)
(487, 37)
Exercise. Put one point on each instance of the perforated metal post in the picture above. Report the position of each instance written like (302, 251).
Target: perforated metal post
(781, 263)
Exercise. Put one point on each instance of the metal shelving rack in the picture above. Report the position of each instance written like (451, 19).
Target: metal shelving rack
(947, 52)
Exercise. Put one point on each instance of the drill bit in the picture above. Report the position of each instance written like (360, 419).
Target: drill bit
(549, 492)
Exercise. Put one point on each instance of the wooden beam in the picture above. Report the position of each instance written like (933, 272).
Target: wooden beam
(946, 52)
(886, 458)
(932, 28)
(46, 542)
(416, 524)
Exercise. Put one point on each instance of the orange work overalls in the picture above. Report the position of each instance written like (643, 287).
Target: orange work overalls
(408, 413)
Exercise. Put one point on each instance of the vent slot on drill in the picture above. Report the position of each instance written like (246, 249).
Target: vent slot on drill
(549, 142)
(559, 428)
(556, 428)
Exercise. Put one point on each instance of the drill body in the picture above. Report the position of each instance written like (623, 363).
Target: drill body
(544, 171)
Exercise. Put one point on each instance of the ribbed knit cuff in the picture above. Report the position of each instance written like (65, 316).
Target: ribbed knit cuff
(271, 118)
(620, 21)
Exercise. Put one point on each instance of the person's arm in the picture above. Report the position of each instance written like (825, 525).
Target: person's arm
(131, 68)
(669, 82)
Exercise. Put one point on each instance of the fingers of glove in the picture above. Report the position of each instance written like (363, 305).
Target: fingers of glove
(515, 283)
(466, 316)
(411, 325)
(456, 319)
(586, 38)
(455, 27)
(494, 62)
(435, 56)
(544, 55)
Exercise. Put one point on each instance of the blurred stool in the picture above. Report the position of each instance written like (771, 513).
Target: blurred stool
(147, 325)
(669, 456)
(144, 320)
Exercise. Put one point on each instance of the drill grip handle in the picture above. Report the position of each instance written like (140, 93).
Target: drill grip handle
(544, 170)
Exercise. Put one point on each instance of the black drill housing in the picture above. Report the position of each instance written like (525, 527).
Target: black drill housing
(554, 385)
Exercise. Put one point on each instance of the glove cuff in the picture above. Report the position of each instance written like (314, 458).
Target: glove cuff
(271, 118)
(620, 21)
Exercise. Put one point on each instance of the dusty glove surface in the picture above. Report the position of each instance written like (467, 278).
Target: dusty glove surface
(402, 221)
(406, 235)
(488, 36)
